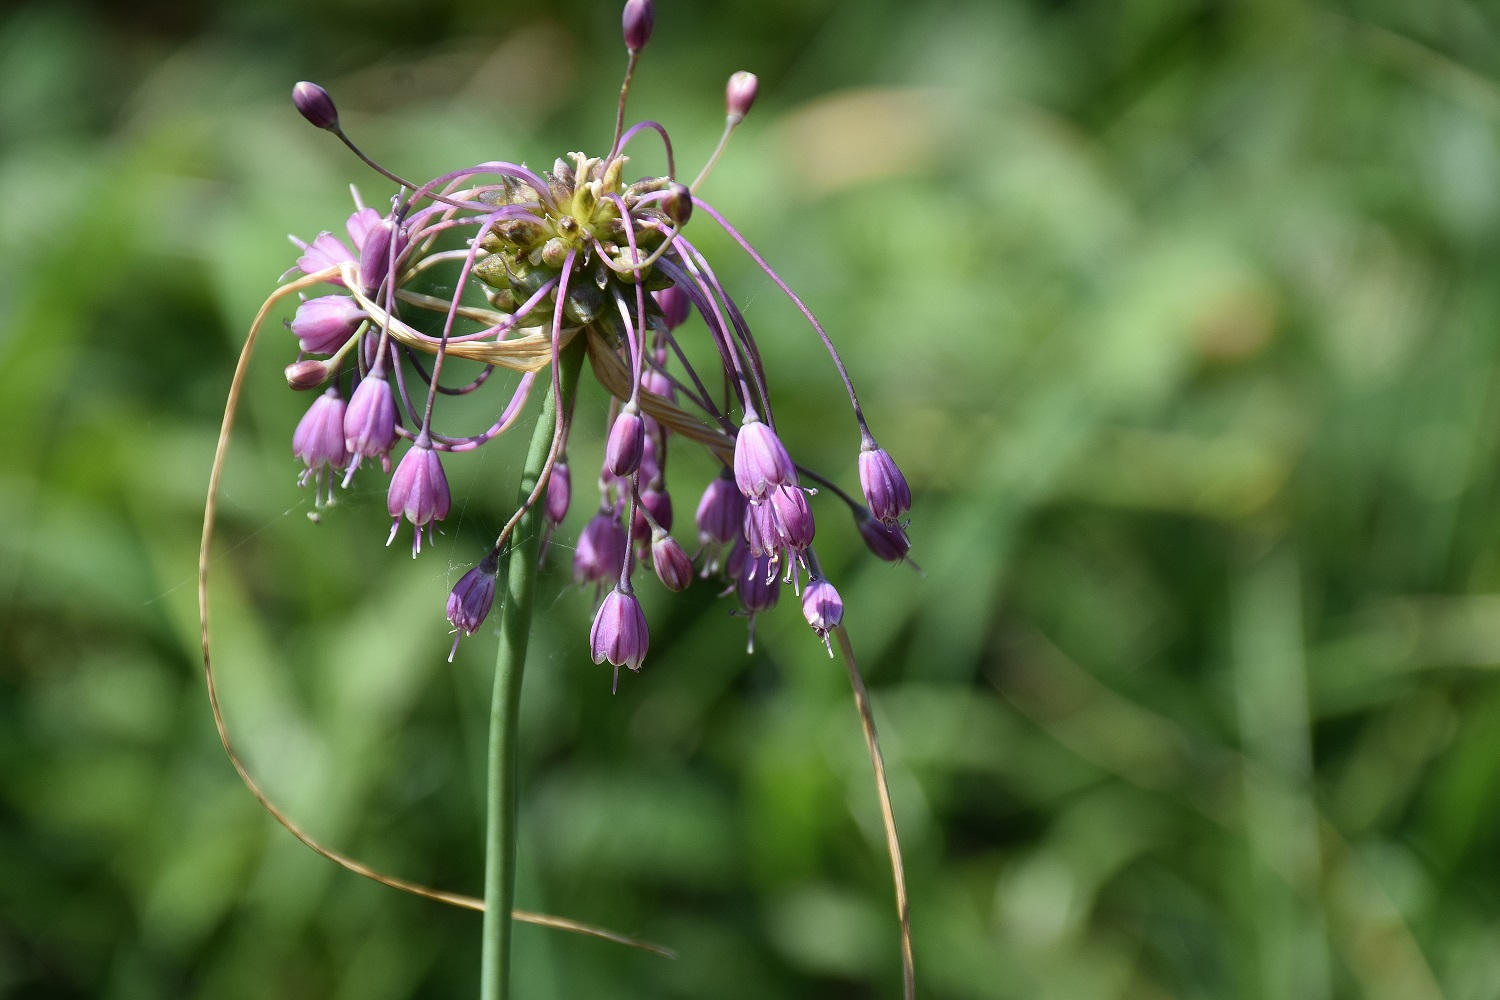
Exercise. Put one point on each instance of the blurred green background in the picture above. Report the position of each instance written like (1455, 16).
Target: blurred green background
(1181, 317)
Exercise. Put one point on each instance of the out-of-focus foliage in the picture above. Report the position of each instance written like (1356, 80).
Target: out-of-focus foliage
(1181, 316)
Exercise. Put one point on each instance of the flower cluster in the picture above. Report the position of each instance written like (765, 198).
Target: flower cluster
(531, 262)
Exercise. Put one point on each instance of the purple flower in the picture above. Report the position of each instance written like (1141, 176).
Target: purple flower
(823, 609)
(794, 520)
(315, 105)
(622, 453)
(326, 323)
(359, 225)
(319, 441)
(374, 250)
(884, 486)
(761, 533)
(470, 601)
(887, 541)
(601, 549)
(720, 519)
(619, 634)
(760, 460)
(676, 307)
(673, 567)
(370, 421)
(325, 251)
(419, 491)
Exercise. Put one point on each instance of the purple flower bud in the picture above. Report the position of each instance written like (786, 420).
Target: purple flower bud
(673, 567)
(887, 541)
(359, 225)
(315, 105)
(758, 586)
(676, 307)
(419, 491)
(370, 421)
(885, 487)
(325, 251)
(375, 254)
(559, 493)
(678, 204)
(760, 460)
(739, 95)
(638, 20)
(823, 609)
(619, 634)
(659, 504)
(326, 323)
(721, 512)
(794, 519)
(319, 438)
(307, 374)
(601, 549)
(471, 599)
(622, 453)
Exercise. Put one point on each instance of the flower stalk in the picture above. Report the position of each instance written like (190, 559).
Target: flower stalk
(519, 579)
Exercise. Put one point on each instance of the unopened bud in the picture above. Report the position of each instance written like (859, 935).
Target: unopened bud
(739, 95)
(678, 204)
(315, 105)
(307, 374)
(638, 20)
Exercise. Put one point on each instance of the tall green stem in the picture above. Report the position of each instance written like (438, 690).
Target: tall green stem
(519, 578)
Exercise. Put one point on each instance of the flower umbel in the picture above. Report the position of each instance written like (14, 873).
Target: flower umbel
(510, 264)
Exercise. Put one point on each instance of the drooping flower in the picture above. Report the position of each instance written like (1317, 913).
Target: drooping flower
(324, 324)
(823, 609)
(470, 600)
(884, 486)
(419, 492)
(319, 442)
(619, 634)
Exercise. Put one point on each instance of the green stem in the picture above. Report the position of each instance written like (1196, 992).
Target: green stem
(519, 578)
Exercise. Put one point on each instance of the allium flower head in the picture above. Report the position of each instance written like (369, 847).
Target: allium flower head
(514, 267)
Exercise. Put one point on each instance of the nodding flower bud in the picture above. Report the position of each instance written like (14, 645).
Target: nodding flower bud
(884, 486)
(324, 324)
(739, 95)
(471, 599)
(419, 491)
(370, 421)
(673, 567)
(760, 460)
(319, 438)
(794, 519)
(315, 105)
(887, 541)
(823, 609)
(307, 374)
(638, 20)
(622, 453)
(559, 493)
(678, 204)
(601, 549)
(676, 307)
(619, 633)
